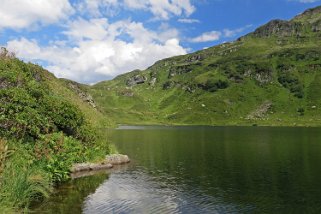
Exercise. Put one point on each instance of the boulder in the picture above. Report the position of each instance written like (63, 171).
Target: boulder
(108, 163)
(117, 159)
(136, 80)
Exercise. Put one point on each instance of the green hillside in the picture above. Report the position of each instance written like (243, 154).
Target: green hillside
(269, 77)
(46, 125)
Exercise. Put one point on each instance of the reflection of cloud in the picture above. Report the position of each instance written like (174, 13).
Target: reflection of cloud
(136, 191)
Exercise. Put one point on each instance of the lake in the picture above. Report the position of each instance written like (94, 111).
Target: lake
(202, 170)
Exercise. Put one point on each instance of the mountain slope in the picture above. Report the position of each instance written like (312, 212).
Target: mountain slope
(270, 77)
(46, 125)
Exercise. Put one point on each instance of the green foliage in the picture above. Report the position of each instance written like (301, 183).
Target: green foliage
(49, 128)
(22, 181)
(213, 85)
(301, 111)
(28, 109)
(291, 82)
(57, 153)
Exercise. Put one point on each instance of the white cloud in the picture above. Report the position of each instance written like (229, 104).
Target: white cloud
(234, 32)
(97, 51)
(217, 35)
(189, 21)
(19, 14)
(207, 37)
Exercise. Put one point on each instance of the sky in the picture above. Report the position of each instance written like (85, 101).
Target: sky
(94, 40)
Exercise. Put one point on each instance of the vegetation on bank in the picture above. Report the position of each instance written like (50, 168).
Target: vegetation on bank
(44, 129)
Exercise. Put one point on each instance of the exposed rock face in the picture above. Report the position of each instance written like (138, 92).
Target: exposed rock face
(263, 78)
(316, 27)
(279, 28)
(261, 111)
(168, 85)
(195, 58)
(4, 83)
(83, 95)
(136, 80)
(152, 82)
(108, 163)
(310, 13)
(178, 70)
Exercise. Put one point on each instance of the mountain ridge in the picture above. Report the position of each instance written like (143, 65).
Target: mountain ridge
(229, 84)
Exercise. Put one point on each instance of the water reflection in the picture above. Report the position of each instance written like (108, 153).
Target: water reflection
(209, 170)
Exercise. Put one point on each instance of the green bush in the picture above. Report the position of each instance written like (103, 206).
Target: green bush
(291, 82)
(57, 153)
(29, 109)
(213, 85)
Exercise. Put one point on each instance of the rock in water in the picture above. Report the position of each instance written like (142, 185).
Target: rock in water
(108, 163)
(117, 159)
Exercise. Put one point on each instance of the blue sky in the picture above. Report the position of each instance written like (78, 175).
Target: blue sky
(93, 40)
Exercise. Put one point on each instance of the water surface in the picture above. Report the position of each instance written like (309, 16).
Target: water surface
(212, 170)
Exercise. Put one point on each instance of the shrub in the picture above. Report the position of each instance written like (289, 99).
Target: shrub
(213, 85)
(28, 109)
(57, 153)
(291, 82)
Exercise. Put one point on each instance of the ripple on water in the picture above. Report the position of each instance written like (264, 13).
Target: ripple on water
(136, 191)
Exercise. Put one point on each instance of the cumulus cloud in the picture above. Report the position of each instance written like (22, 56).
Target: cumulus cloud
(217, 35)
(207, 37)
(88, 46)
(18, 14)
(98, 51)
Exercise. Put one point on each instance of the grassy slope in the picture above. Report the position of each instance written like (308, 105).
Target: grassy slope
(45, 127)
(252, 68)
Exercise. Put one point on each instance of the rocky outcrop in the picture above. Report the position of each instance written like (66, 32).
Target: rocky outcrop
(279, 28)
(153, 81)
(316, 26)
(261, 111)
(136, 80)
(110, 160)
(310, 14)
(83, 95)
(178, 70)
(195, 58)
(4, 83)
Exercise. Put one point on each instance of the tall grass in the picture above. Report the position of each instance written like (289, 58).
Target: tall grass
(21, 181)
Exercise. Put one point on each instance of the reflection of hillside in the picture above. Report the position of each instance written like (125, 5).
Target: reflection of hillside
(266, 168)
(69, 197)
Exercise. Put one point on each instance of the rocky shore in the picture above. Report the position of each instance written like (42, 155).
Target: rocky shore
(109, 162)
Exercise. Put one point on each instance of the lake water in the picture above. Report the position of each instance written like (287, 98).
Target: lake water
(203, 170)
